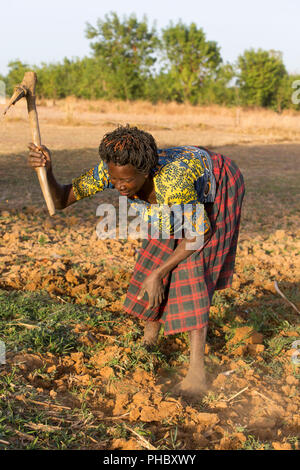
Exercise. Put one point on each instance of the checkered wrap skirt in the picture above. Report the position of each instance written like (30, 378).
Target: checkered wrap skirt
(190, 286)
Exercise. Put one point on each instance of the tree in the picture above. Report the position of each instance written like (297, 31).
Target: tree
(125, 49)
(260, 77)
(15, 75)
(87, 79)
(161, 87)
(219, 89)
(82, 78)
(190, 58)
(51, 81)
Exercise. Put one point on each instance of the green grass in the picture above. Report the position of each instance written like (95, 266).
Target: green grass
(35, 323)
(54, 334)
(51, 323)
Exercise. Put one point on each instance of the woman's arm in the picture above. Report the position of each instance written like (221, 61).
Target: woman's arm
(153, 283)
(63, 195)
(181, 252)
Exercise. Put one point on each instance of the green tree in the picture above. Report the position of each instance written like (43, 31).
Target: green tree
(86, 78)
(15, 75)
(125, 50)
(190, 59)
(161, 87)
(51, 81)
(219, 88)
(260, 77)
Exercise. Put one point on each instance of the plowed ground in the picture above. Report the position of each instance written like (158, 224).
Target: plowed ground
(76, 375)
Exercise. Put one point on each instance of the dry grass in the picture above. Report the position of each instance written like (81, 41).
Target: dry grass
(183, 116)
(170, 123)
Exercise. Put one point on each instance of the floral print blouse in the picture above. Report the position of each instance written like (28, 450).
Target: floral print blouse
(183, 178)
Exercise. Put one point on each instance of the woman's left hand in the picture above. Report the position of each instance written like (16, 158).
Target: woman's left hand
(153, 285)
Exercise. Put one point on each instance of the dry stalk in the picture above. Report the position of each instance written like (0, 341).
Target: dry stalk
(4, 442)
(49, 404)
(42, 427)
(284, 297)
(237, 394)
(143, 441)
(23, 435)
(263, 396)
(26, 325)
(109, 418)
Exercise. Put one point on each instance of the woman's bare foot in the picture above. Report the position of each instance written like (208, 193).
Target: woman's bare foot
(151, 332)
(194, 383)
(192, 386)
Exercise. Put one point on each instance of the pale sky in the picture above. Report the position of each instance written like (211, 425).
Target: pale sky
(36, 31)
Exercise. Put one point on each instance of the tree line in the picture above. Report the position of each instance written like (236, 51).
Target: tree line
(131, 60)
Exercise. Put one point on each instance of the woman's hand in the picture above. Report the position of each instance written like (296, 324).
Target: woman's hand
(153, 285)
(39, 156)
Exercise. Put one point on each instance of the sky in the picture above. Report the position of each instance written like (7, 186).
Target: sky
(37, 31)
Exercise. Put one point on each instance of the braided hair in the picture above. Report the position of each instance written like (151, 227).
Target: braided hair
(129, 145)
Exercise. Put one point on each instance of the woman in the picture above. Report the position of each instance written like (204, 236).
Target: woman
(174, 279)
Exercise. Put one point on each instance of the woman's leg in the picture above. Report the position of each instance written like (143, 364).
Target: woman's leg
(151, 332)
(194, 382)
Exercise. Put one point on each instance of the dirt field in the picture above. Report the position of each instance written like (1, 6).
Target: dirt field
(76, 374)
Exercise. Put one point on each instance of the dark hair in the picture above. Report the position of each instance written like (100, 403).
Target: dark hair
(129, 145)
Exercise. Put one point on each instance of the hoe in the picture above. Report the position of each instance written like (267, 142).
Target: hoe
(27, 89)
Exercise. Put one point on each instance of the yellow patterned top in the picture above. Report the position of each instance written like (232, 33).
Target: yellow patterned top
(183, 176)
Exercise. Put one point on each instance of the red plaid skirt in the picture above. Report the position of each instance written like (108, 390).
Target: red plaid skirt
(190, 286)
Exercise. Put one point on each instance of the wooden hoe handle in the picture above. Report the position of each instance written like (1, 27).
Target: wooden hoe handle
(27, 89)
